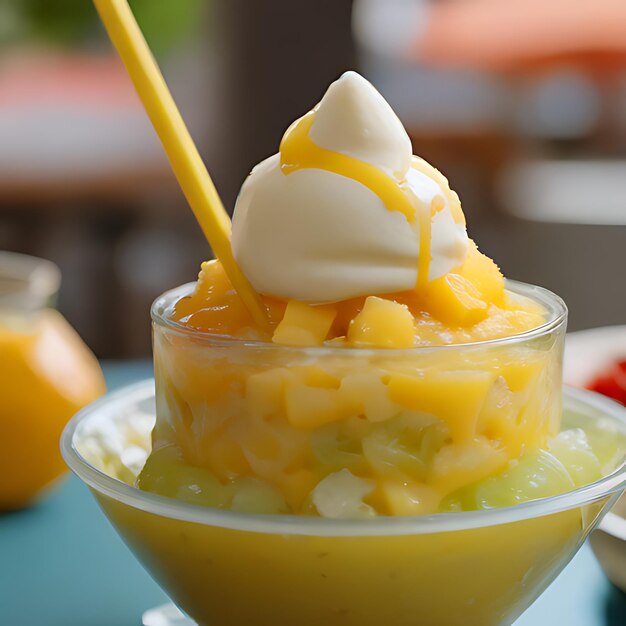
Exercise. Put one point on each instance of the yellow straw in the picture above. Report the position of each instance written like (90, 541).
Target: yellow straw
(186, 162)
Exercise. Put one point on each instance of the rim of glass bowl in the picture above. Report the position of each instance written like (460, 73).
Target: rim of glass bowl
(162, 308)
(116, 403)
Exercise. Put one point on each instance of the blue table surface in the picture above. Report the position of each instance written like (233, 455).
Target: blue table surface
(62, 564)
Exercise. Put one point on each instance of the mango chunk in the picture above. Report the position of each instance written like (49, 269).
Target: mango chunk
(309, 408)
(484, 274)
(409, 498)
(315, 376)
(382, 324)
(455, 300)
(369, 395)
(265, 392)
(462, 298)
(226, 457)
(214, 306)
(456, 398)
(304, 325)
(520, 375)
(456, 465)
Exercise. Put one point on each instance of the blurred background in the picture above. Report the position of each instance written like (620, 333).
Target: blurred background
(522, 105)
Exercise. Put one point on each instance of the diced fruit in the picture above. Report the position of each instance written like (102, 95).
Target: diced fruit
(519, 421)
(369, 395)
(456, 301)
(403, 447)
(609, 387)
(388, 457)
(271, 447)
(254, 496)
(539, 476)
(519, 375)
(166, 474)
(334, 448)
(358, 432)
(612, 382)
(456, 398)
(315, 376)
(188, 382)
(215, 305)
(456, 465)
(573, 450)
(499, 407)
(484, 274)
(340, 496)
(312, 407)
(225, 457)
(265, 392)
(606, 439)
(382, 324)
(199, 486)
(469, 304)
(405, 498)
(304, 325)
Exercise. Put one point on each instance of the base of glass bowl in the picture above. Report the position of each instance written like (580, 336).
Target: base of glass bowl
(166, 615)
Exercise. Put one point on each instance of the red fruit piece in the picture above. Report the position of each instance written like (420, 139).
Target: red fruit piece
(612, 383)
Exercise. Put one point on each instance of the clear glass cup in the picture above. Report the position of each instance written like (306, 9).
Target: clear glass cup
(450, 569)
(258, 409)
(47, 374)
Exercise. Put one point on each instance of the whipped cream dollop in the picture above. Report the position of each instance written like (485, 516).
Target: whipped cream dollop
(309, 225)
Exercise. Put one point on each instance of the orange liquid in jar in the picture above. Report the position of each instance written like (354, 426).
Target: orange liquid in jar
(46, 375)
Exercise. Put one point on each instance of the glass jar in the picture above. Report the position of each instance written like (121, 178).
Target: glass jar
(46, 375)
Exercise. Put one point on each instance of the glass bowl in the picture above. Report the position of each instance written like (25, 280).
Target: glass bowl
(451, 569)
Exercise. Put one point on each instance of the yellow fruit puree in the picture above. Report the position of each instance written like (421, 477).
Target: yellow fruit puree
(472, 577)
